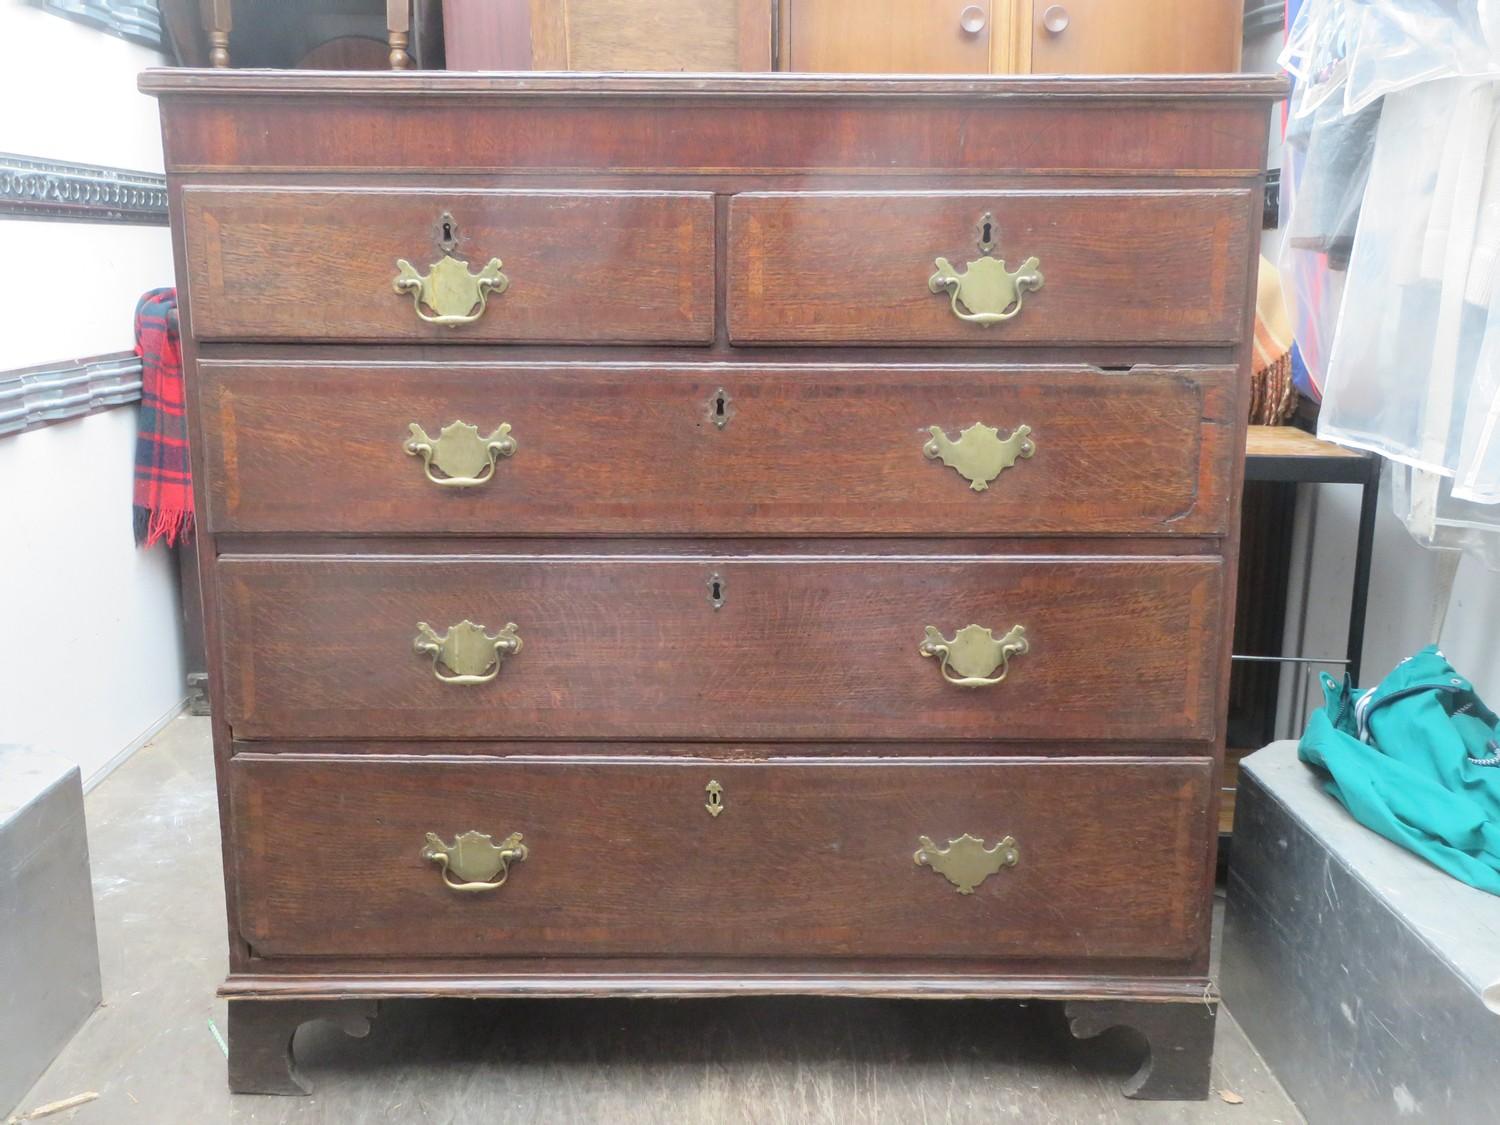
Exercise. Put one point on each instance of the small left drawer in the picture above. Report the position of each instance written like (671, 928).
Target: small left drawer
(389, 265)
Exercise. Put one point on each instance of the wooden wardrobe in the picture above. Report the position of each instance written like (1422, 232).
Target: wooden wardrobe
(848, 36)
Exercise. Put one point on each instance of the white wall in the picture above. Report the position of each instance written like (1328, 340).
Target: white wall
(93, 658)
(1403, 593)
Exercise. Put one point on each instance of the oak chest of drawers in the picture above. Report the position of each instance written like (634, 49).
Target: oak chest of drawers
(685, 536)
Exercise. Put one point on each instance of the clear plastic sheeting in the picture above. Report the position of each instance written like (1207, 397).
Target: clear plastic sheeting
(1426, 500)
(1398, 114)
(1396, 45)
(1326, 163)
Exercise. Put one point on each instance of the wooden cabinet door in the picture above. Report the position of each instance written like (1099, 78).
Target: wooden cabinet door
(887, 36)
(1135, 36)
(608, 35)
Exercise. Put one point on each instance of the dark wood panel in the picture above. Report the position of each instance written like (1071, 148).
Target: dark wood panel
(734, 751)
(318, 264)
(695, 124)
(206, 85)
(635, 450)
(283, 978)
(813, 860)
(1118, 266)
(233, 543)
(487, 35)
(801, 649)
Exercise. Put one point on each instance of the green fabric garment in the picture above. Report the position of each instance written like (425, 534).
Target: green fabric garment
(1407, 760)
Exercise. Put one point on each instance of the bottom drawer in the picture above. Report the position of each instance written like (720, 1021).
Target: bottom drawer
(803, 858)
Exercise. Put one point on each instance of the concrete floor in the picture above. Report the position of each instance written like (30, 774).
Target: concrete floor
(153, 1052)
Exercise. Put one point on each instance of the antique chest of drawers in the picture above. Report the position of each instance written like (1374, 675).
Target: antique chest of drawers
(672, 535)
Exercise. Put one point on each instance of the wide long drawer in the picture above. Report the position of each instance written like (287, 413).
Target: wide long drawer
(450, 266)
(690, 648)
(1081, 267)
(1086, 859)
(714, 450)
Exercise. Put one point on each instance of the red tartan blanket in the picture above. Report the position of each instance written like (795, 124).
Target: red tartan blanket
(163, 497)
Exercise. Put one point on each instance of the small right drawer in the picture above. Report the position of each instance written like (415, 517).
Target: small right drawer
(1044, 267)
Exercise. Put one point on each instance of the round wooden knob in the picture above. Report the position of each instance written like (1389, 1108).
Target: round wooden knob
(972, 19)
(1055, 19)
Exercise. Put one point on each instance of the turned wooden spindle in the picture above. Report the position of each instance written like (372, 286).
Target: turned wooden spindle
(398, 27)
(220, 24)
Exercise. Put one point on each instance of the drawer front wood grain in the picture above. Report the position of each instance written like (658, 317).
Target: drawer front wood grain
(587, 267)
(636, 450)
(802, 648)
(1118, 267)
(806, 859)
(692, 124)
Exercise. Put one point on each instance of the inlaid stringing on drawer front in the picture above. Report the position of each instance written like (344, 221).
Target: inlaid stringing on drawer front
(806, 858)
(694, 450)
(580, 647)
(282, 263)
(1094, 266)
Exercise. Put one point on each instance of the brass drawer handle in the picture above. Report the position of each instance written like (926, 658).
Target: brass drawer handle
(974, 654)
(478, 863)
(966, 862)
(454, 295)
(980, 454)
(471, 655)
(986, 292)
(460, 453)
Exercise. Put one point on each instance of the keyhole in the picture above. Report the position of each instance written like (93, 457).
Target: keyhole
(715, 591)
(986, 232)
(449, 233)
(720, 408)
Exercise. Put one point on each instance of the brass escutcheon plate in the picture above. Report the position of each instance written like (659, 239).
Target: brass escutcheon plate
(966, 862)
(980, 454)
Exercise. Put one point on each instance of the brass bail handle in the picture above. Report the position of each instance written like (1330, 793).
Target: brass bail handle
(985, 292)
(454, 294)
(471, 655)
(972, 656)
(474, 862)
(463, 455)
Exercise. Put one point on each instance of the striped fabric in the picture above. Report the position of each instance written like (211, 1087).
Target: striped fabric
(163, 499)
(1273, 396)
